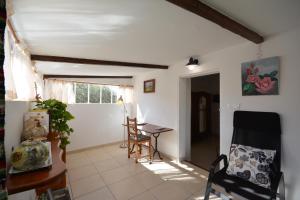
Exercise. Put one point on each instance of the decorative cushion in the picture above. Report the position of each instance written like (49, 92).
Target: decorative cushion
(251, 164)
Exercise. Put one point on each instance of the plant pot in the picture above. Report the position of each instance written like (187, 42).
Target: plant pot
(63, 155)
(52, 136)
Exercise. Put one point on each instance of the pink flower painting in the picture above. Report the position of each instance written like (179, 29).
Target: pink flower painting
(261, 77)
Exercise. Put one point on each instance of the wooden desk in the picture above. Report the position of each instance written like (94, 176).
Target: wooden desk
(41, 180)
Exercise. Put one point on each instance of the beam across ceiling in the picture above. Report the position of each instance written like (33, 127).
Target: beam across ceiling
(47, 76)
(203, 10)
(94, 62)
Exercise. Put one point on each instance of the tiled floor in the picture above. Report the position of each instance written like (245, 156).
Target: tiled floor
(106, 173)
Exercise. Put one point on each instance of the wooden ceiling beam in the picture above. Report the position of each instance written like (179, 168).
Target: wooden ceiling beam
(94, 62)
(48, 76)
(203, 10)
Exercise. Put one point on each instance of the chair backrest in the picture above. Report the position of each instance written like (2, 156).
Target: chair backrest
(258, 129)
(132, 127)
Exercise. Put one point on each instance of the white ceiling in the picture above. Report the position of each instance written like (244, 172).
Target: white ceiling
(147, 31)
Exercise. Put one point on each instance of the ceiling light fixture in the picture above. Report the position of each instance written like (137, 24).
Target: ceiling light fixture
(192, 64)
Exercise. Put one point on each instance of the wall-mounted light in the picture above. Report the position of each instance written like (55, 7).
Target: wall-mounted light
(192, 64)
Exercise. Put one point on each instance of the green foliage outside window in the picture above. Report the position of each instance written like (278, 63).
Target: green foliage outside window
(81, 93)
(94, 93)
(106, 95)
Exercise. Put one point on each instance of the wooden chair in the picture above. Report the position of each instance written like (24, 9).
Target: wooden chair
(138, 140)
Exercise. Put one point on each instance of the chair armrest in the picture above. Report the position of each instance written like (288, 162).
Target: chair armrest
(216, 162)
(275, 176)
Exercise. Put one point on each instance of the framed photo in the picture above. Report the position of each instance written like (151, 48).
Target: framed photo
(149, 86)
(260, 77)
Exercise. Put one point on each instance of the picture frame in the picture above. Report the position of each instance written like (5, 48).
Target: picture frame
(149, 86)
(261, 77)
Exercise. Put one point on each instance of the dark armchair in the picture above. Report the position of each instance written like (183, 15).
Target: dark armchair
(256, 129)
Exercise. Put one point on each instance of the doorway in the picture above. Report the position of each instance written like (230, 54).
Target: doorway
(205, 120)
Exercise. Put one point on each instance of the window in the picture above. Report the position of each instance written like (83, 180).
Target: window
(81, 93)
(93, 93)
(106, 95)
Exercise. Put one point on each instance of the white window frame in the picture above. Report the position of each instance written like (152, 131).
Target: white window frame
(101, 87)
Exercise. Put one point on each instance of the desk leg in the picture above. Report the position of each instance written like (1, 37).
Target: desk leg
(156, 135)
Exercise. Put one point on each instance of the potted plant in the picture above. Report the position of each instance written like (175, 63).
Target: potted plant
(59, 117)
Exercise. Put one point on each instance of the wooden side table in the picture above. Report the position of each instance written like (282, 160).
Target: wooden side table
(43, 179)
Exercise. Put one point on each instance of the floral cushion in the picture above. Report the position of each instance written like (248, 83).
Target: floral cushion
(251, 164)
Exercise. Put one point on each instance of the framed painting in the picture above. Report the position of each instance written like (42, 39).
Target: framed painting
(260, 77)
(149, 86)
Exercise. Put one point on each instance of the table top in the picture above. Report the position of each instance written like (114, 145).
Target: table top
(151, 128)
(29, 180)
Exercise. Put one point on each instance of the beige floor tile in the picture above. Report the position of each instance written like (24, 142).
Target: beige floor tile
(126, 189)
(118, 151)
(106, 165)
(78, 162)
(87, 185)
(115, 175)
(94, 150)
(110, 148)
(148, 179)
(134, 168)
(190, 183)
(103, 194)
(90, 170)
(82, 172)
(169, 191)
(144, 196)
(201, 197)
(98, 156)
(72, 156)
(123, 159)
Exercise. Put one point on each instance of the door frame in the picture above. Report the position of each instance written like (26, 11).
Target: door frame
(184, 119)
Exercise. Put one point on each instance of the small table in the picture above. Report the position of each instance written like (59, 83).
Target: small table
(40, 180)
(155, 131)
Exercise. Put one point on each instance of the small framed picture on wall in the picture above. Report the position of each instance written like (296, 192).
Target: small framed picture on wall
(149, 86)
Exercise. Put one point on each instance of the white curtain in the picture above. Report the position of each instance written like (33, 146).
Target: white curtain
(59, 90)
(20, 74)
(127, 93)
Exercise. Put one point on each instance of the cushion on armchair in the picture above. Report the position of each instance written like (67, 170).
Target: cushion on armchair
(251, 164)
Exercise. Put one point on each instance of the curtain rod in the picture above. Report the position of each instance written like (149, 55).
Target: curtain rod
(88, 82)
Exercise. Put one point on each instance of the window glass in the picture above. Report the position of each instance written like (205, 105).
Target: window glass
(94, 93)
(106, 94)
(81, 93)
(114, 90)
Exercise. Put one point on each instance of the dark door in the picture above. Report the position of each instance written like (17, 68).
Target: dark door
(200, 119)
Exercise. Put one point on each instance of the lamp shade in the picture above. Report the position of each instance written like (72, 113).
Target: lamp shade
(120, 100)
(192, 64)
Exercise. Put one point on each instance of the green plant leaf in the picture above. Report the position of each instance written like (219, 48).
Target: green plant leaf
(249, 87)
(273, 73)
(261, 76)
(59, 117)
(274, 79)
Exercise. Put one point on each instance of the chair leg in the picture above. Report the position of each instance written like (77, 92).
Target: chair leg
(137, 153)
(208, 190)
(282, 188)
(150, 152)
(128, 147)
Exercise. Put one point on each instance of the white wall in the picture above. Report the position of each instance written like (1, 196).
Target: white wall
(163, 106)
(14, 112)
(96, 124)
